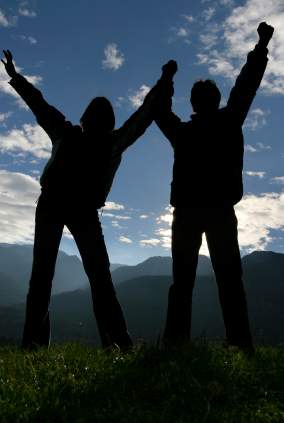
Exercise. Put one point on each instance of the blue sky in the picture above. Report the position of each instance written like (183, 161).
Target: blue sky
(73, 50)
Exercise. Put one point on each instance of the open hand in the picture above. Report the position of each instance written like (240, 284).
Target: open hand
(9, 65)
(170, 69)
(265, 33)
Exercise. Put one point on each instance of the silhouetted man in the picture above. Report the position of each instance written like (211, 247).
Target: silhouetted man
(75, 183)
(207, 183)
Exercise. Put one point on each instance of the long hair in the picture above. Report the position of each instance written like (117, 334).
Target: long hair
(100, 113)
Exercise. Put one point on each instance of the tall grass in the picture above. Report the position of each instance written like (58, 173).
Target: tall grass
(191, 383)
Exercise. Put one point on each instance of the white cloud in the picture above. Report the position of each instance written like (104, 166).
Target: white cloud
(189, 18)
(277, 180)
(123, 239)
(263, 146)
(4, 116)
(67, 233)
(153, 242)
(182, 32)
(144, 216)
(5, 22)
(18, 193)
(31, 139)
(36, 172)
(115, 216)
(8, 89)
(250, 148)
(114, 59)
(164, 232)
(259, 174)
(179, 33)
(30, 39)
(207, 14)
(165, 218)
(239, 34)
(27, 13)
(255, 120)
(119, 101)
(137, 98)
(110, 205)
(116, 225)
(257, 216)
(209, 40)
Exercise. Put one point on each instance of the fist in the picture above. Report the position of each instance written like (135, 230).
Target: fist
(265, 32)
(170, 69)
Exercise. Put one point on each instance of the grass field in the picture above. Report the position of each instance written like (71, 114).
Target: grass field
(194, 383)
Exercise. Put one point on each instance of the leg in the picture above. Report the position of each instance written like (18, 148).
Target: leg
(48, 231)
(222, 239)
(86, 229)
(186, 242)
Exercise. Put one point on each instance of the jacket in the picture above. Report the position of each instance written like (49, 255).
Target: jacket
(79, 165)
(208, 150)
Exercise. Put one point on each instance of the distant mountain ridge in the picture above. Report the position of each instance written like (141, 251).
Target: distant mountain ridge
(144, 303)
(15, 272)
(157, 266)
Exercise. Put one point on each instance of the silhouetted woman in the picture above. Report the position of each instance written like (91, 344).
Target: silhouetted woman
(75, 184)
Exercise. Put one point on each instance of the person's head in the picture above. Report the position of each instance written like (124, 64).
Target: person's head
(205, 96)
(98, 116)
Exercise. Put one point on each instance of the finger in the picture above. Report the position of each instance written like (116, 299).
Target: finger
(3, 62)
(10, 54)
(6, 54)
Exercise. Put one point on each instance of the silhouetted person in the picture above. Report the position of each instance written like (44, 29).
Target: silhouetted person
(75, 183)
(207, 183)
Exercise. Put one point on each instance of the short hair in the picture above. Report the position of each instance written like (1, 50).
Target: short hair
(101, 111)
(204, 89)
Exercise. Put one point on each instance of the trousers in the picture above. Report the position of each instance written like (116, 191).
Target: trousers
(220, 227)
(52, 213)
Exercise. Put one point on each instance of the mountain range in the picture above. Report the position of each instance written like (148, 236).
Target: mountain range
(144, 303)
(16, 266)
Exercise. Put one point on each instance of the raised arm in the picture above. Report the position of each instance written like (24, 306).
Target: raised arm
(48, 117)
(249, 79)
(166, 120)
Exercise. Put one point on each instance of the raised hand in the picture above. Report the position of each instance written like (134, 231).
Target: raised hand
(265, 33)
(170, 69)
(9, 65)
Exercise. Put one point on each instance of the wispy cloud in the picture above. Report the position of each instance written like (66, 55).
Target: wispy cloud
(153, 242)
(181, 33)
(114, 58)
(136, 99)
(31, 40)
(144, 216)
(277, 180)
(115, 224)
(110, 205)
(259, 174)
(261, 146)
(255, 120)
(11, 21)
(250, 148)
(124, 239)
(208, 13)
(4, 116)
(116, 216)
(189, 18)
(27, 13)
